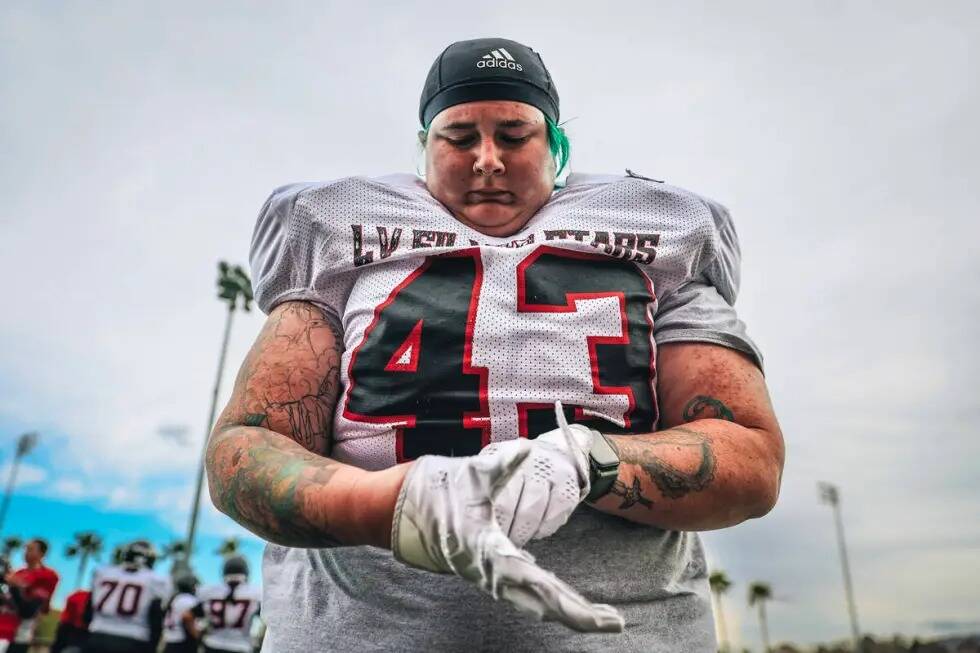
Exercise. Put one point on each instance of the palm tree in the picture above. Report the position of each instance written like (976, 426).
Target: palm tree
(11, 544)
(177, 552)
(233, 283)
(759, 593)
(87, 543)
(229, 547)
(719, 585)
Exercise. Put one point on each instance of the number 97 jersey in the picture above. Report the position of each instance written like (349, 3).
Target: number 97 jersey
(229, 615)
(454, 339)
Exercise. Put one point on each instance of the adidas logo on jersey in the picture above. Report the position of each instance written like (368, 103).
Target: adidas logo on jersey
(499, 58)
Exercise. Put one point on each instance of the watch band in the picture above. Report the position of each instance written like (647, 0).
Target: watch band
(603, 466)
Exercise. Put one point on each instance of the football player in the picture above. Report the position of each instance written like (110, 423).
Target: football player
(229, 609)
(180, 632)
(403, 392)
(126, 605)
(24, 596)
(72, 627)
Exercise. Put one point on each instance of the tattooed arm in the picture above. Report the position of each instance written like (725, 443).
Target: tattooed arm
(266, 459)
(718, 460)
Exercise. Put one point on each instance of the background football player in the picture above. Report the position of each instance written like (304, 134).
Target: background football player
(25, 595)
(72, 623)
(126, 604)
(229, 608)
(402, 393)
(180, 632)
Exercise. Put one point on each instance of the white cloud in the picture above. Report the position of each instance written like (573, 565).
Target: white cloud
(68, 489)
(27, 474)
(168, 500)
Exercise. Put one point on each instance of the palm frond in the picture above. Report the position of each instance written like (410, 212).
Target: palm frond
(719, 582)
(759, 592)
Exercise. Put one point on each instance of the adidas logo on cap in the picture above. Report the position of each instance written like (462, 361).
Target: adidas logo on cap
(499, 58)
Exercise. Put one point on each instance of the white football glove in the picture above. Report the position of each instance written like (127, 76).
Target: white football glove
(444, 522)
(544, 491)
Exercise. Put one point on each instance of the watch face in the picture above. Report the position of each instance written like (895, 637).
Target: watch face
(602, 454)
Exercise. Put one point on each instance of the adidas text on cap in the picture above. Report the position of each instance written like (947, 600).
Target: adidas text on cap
(487, 69)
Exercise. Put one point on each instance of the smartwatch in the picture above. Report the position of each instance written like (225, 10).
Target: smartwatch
(603, 466)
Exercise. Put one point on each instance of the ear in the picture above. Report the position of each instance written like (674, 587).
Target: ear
(423, 134)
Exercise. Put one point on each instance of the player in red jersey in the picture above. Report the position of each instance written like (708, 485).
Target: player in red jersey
(72, 627)
(28, 595)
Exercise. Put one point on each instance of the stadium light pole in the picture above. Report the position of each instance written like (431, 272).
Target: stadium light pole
(829, 494)
(25, 443)
(233, 284)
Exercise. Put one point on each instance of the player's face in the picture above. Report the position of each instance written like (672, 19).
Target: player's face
(490, 164)
(32, 553)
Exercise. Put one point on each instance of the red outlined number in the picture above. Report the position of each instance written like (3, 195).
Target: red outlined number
(552, 280)
(413, 369)
(111, 585)
(216, 613)
(243, 605)
(220, 616)
(127, 603)
(129, 599)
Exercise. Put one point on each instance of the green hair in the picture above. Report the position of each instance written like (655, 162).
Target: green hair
(561, 149)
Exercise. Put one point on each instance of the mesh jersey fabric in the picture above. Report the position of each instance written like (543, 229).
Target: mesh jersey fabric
(229, 618)
(173, 625)
(607, 269)
(121, 600)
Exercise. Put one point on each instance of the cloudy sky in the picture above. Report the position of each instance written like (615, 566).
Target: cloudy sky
(137, 142)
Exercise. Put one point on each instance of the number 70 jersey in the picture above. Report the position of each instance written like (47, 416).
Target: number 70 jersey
(121, 600)
(454, 339)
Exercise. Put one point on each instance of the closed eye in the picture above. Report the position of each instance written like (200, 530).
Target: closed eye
(466, 141)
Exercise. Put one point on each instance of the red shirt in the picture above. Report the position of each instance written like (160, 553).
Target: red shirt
(37, 583)
(74, 612)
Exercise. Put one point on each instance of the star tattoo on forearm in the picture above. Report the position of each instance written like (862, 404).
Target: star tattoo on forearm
(631, 495)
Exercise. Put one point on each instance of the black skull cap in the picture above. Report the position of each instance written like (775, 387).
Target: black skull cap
(487, 69)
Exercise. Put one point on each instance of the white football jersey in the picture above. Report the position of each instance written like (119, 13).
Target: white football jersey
(121, 601)
(229, 615)
(454, 339)
(173, 625)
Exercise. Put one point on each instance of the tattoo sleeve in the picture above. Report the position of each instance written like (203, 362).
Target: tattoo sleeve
(291, 378)
(716, 460)
(265, 482)
(266, 456)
